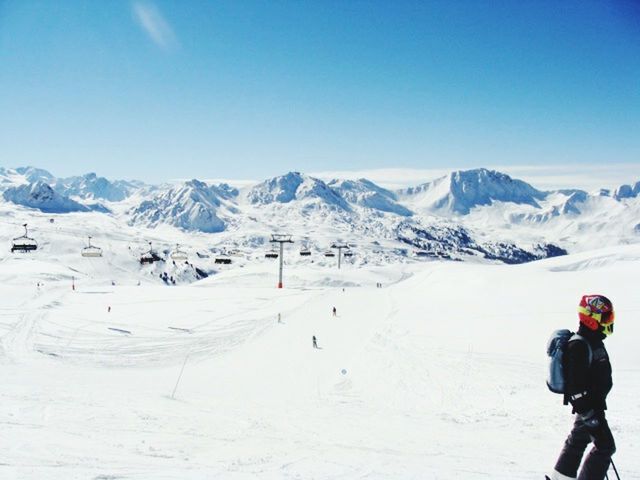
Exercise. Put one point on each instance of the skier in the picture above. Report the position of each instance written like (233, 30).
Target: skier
(109, 309)
(315, 342)
(279, 318)
(335, 312)
(588, 381)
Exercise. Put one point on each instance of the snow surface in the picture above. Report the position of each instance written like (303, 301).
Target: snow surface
(443, 367)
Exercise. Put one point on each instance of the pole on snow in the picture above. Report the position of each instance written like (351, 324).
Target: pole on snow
(615, 469)
(179, 377)
(281, 239)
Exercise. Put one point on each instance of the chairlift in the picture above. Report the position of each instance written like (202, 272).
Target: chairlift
(273, 253)
(348, 253)
(305, 252)
(149, 257)
(329, 253)
(24, 244)
(91, 250)
(222, 260)
(179, 255)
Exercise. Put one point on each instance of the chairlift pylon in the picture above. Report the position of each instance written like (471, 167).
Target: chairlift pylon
(24, 243)
(91, 250)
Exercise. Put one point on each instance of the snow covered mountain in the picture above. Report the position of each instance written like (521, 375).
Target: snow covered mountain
(41, 196)
(193, 205)
(90, 186)
(460, 191)
(296, 186)
(477, 213)
(33, 174)
(627, 191)
(367, 194)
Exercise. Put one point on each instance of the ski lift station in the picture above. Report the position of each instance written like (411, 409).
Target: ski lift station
(25, 243)
(150, 256)
(179, 255)
(91, 250)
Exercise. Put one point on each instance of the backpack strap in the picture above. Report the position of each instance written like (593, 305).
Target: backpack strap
(578, 337)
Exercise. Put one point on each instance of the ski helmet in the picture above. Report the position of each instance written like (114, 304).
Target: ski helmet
(596, 313)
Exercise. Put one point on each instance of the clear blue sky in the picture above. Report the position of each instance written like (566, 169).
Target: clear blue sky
(248, 89)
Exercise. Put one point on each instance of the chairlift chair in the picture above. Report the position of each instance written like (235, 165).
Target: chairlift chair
(91, 250)
(273, 253)
(24, 243)
(178, 255)
(305, 252)
(329, 253)
(150, 256)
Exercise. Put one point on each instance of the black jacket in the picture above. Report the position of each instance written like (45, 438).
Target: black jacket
(587, 384)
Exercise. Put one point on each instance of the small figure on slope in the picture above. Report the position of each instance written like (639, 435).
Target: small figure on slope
(587, 375)
(315, 341)
(335, 312)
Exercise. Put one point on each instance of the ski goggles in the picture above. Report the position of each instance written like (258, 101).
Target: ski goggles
(606, 322)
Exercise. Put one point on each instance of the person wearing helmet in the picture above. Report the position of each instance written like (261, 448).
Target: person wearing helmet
(588, 377)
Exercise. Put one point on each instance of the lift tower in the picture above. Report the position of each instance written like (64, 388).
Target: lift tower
(281, 239)
(340, 247)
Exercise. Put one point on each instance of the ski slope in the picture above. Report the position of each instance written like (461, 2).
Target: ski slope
(437, 375)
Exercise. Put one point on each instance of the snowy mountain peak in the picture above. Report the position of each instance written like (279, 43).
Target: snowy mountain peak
(193, 205)
(295, 186)
(41, 196)
(462, 190)
(627, 191)
(33, 174)
(91, 186)
(367, 194)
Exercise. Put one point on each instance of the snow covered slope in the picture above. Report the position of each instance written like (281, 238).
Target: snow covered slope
(438, 375)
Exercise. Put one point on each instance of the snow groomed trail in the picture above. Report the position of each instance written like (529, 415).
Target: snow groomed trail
(438, 375)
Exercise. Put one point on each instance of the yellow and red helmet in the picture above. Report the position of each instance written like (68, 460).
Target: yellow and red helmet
(596, 313)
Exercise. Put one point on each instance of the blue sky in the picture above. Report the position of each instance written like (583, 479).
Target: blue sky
(247, 89)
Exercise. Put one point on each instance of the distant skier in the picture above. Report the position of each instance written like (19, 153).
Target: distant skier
(315, 341)
(587, 373)
(335, 312)
(109, 309)
(279, 318)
